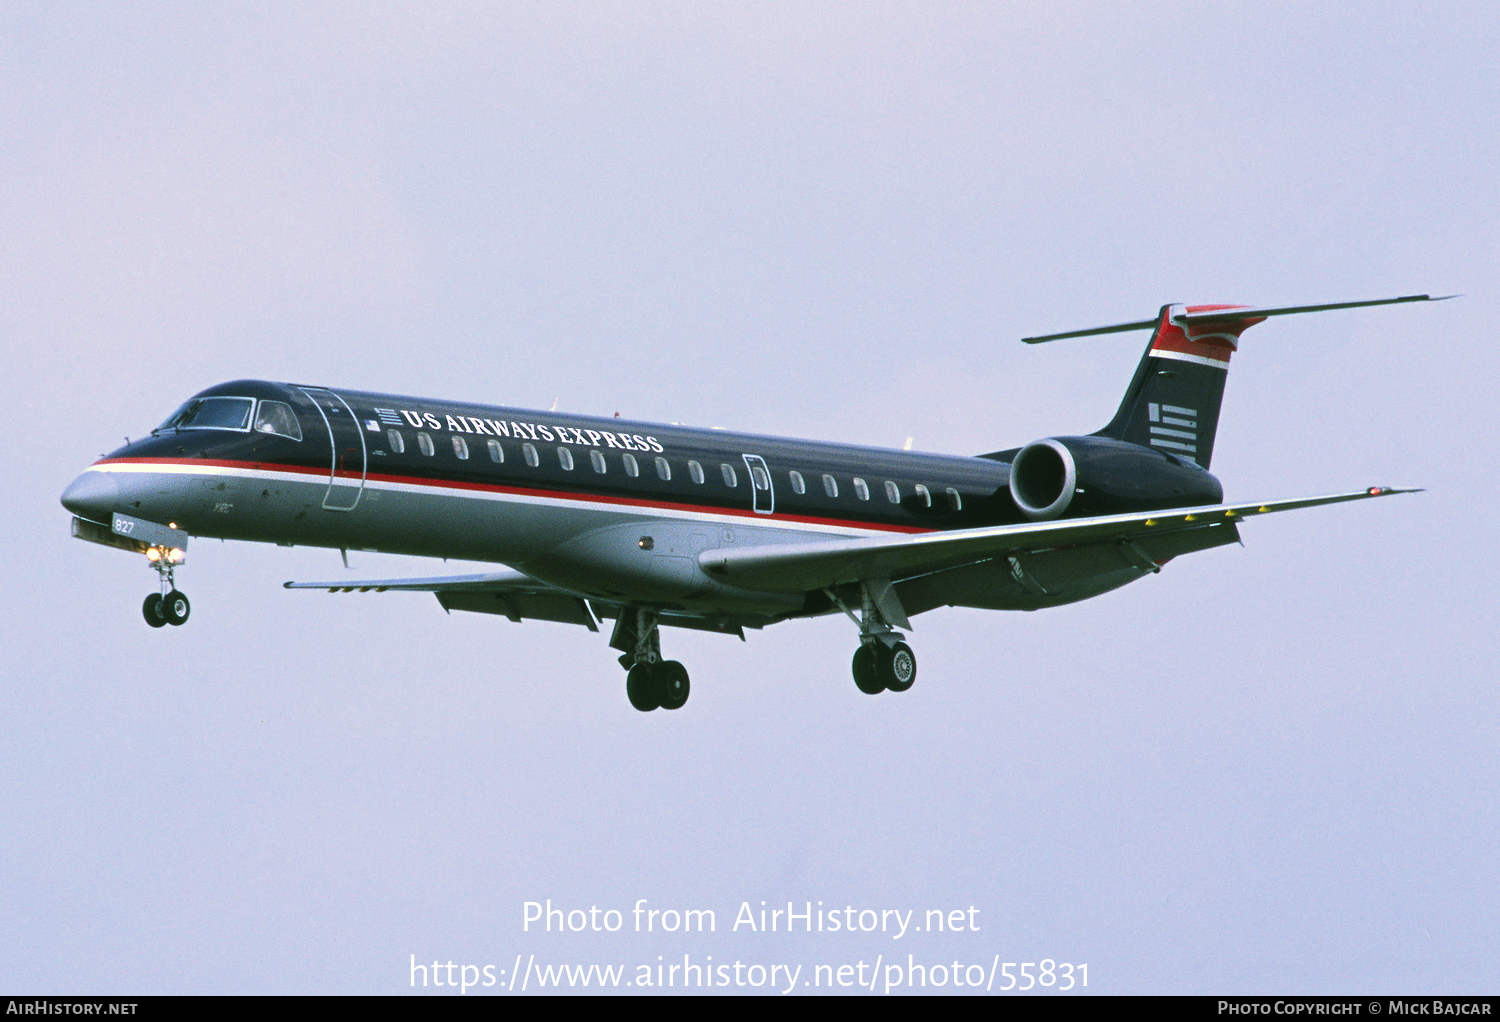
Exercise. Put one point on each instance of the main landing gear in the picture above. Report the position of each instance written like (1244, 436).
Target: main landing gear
(169, 607)
(650, 681)
(883, 662)
(878, 667)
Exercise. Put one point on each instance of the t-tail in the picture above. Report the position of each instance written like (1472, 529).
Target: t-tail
(1172, 403)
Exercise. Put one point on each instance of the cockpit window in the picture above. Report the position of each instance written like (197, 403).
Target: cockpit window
(276, 417)
(212, 413)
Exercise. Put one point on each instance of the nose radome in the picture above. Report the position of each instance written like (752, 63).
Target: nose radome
(93, 495)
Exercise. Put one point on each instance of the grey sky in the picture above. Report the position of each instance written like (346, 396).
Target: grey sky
(1267, 769)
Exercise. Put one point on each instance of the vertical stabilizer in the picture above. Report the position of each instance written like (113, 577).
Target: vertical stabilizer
(1173, 401)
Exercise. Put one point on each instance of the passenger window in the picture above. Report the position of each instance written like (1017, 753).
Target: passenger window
(860, 489)
(924, 496)
(830, 485)
(631, 468)
(696, 471)
(425, 442)
(759, 479)
(798, 486)
(396, 440)
(529, 450)
(955, 499)
(461, 448)
(730, 479)
(597, 460)
(565, 459)
(892, 492)
(497, 454)
(663, 470)
(276, 417)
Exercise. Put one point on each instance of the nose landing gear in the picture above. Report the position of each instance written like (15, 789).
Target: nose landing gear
(169, 607)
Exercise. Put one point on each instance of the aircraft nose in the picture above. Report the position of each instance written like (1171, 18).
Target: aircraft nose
(93, 495)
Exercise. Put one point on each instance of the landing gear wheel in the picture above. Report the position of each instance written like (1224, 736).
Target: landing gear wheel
(175, 608)
(641, 688)
(898, 667)
(672, 684)
(152, 612)
(867, 671)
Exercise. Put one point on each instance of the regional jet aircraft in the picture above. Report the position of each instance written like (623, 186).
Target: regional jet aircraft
(593, 519)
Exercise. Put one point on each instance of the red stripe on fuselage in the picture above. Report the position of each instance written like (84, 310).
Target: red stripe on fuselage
(522, 491)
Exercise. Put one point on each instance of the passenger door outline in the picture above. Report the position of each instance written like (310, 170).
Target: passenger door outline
(762, 498)
(343, 428)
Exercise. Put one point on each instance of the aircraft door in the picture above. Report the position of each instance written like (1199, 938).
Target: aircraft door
(762, 493)
(347, 467)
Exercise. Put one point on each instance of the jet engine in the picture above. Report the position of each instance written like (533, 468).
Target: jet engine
(1091, 475)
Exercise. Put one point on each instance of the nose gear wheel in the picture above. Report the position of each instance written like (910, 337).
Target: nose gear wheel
(170, 606)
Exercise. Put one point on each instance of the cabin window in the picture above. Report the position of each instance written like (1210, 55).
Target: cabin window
(892, 492)
(396, 440)
(461, 448)
(830, 485)
(923, 496)
(212, 413)
(529, 450)
(277, 417)
(565, 459)
(425, 442)
(497, 453)
(663, 470)
(696, 471)
(954, 499)
(798, 486)
(631, 468)
(860, 489)
(597, 460)
(730, 479)
(759, 478)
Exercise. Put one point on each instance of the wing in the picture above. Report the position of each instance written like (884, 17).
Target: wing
(509, 592)
(520, 597)
(818, 565)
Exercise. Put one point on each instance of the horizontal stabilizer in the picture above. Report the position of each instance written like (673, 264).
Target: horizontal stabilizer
(1221, 315)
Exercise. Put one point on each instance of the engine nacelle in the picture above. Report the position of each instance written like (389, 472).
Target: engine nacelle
(1092, 475)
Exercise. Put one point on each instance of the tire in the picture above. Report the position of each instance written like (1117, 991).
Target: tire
(175, 608)
(866, 671)
(151, 611)
(640, 688)
(672, 684)
(898, 666)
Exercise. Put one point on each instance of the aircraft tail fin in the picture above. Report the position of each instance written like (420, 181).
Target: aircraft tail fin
(1173, 400)
(1172, 403)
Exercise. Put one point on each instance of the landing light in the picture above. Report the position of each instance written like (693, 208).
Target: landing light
(174, 555)
(153, 555)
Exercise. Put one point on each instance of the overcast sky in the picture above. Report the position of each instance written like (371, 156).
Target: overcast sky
(1269, 769)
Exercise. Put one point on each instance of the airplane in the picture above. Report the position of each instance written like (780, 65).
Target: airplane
(591, 519)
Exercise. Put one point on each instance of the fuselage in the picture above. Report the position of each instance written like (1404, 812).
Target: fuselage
(604, 507)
